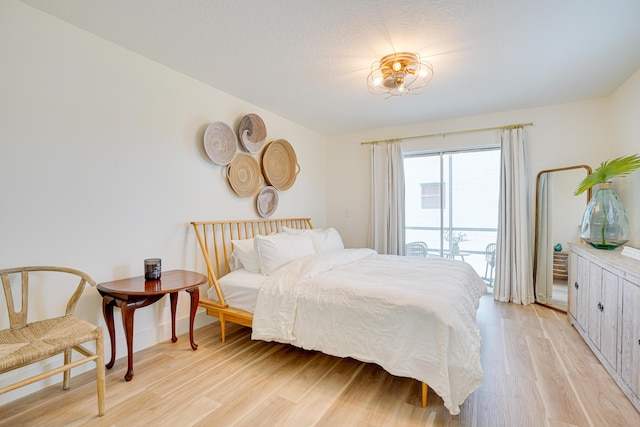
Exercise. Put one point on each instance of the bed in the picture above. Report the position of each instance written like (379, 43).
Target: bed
(413, 316)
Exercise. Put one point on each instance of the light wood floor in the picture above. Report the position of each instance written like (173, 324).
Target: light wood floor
(537, 370)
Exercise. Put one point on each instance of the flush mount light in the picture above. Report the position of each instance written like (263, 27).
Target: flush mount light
(399, 74)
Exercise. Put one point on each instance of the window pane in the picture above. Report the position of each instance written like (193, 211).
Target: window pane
(420, 170)
(461, 199)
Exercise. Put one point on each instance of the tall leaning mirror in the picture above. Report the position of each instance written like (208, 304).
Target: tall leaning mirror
(558, 217)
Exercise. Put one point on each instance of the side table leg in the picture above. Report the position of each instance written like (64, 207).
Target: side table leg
(127, 311)
(174, 302)
(195, 298)
(107, 312)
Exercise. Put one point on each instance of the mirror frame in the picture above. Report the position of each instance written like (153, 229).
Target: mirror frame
(535, 244)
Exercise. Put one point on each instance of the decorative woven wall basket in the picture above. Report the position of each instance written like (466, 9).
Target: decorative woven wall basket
(267, 201)
(280, 164)
(252, 133)
(220, 143)
(244, 175)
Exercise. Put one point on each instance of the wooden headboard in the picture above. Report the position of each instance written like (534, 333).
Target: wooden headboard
(215, 238)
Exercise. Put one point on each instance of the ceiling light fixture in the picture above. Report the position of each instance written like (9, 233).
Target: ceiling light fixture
(399, 74)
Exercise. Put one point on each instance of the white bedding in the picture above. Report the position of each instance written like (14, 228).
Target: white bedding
(240, 289)
(413, 316)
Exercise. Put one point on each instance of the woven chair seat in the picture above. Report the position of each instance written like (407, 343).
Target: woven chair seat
(42, 339)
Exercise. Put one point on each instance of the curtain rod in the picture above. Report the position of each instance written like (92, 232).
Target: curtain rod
(517, 125)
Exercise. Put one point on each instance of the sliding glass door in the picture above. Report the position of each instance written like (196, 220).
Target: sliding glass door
(452, 203)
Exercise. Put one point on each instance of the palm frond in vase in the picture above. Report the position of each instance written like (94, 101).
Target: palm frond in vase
(618, 167)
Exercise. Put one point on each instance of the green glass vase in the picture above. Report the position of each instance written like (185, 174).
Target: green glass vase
(605, 224)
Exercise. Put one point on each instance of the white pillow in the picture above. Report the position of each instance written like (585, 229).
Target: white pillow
(276, 250)
(299, 230)
(246, 254)
(327, 240)
(323, 240)
(234, 261)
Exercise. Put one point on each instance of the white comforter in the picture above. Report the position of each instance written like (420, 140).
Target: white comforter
(413, 316)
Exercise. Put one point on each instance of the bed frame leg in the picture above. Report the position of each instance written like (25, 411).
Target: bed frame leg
(425, 389)
(222, 326)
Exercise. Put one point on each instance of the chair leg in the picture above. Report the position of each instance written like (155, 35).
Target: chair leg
(66, 374)
(100, 371)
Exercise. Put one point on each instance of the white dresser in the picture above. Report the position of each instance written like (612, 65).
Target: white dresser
(604, 306)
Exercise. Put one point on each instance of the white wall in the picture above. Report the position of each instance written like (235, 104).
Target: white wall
(625, 106)
(567, 208)
(562, 135)
(102, 163)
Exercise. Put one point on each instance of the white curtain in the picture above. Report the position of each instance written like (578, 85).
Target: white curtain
(514, 272)
(386, 226)
(544, 262)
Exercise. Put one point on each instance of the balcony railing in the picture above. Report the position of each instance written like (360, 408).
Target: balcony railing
(473, 250)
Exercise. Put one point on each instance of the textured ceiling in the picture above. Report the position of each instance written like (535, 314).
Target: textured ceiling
(308, 60)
